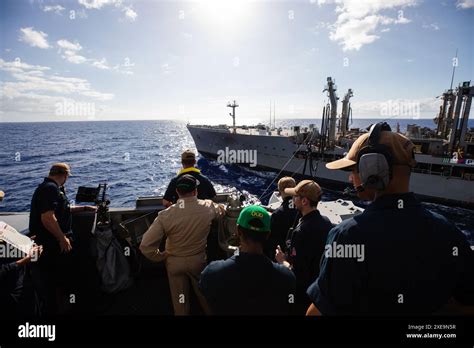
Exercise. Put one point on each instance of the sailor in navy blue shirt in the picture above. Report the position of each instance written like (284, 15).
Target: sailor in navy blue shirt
(397, 257)
(249, 283)
(49, 197)
(205, 189)
(50, 222)
(307, 241)
(283, 218)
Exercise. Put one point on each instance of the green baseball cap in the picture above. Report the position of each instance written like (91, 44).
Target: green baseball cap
(254, 212)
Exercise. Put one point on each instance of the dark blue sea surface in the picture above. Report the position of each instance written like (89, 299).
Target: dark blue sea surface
(136, 158)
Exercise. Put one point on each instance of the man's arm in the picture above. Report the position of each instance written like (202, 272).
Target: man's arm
(170, 194)
(151, 241)
(219, 210)
(281, 258)
(33, 255)
(166, 203)
(212, 191)
(49, 221)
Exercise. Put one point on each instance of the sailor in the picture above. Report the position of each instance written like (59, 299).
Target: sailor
(282, 219)
(397, 257)
(249, 283)
(50, 223)
(186, 225)
(205, 188)
(307, 242)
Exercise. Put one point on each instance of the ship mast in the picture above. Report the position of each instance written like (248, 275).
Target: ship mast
(274, 117)
(233, 106)
(455, 64)
(270, 114)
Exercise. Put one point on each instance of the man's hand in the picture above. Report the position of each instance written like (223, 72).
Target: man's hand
(162, 255)
(33, 255)
(281, 258)
(65, 245)
(279, 255)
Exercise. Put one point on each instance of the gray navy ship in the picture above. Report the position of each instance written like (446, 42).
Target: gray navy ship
(444, 155)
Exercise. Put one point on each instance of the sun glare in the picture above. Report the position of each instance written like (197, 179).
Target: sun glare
(225, 16)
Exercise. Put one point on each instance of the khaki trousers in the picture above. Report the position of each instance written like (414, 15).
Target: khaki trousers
(181, 272)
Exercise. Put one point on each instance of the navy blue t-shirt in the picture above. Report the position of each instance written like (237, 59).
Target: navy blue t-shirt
(205, 190)
(413, 262)
(49, 196)
(306, 250)
(282, 220)
(248, 284)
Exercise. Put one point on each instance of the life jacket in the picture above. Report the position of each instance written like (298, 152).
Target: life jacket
(188, 170)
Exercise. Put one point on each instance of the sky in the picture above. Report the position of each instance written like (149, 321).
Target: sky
(80, 60)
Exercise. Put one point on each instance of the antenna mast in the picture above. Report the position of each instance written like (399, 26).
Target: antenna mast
(455, 63)
(274, 117)
(270, 114)
(233, 106)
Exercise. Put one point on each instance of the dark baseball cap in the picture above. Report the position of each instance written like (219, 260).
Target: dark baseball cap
(187, 183)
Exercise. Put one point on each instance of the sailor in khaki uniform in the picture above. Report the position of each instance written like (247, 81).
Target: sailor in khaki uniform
(186, 225)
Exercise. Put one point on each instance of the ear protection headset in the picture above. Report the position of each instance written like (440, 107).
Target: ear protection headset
(374, 161)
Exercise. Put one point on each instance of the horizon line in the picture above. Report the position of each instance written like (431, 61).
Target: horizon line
(187, 122)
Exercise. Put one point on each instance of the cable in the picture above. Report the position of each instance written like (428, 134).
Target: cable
(282, 169)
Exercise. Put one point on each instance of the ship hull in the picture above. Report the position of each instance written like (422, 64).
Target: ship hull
(273, 154)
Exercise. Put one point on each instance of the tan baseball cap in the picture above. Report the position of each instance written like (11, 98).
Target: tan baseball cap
(306, 188)
(188, 155)
(60, 168)
(400, 146)
(286, 182)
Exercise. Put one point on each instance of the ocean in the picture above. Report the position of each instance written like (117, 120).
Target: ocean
(138, 158)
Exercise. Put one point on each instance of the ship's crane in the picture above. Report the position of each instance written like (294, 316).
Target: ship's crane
(445, 115)
(453, 116)
(330, 111)
(457, 135)
(346, 113)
